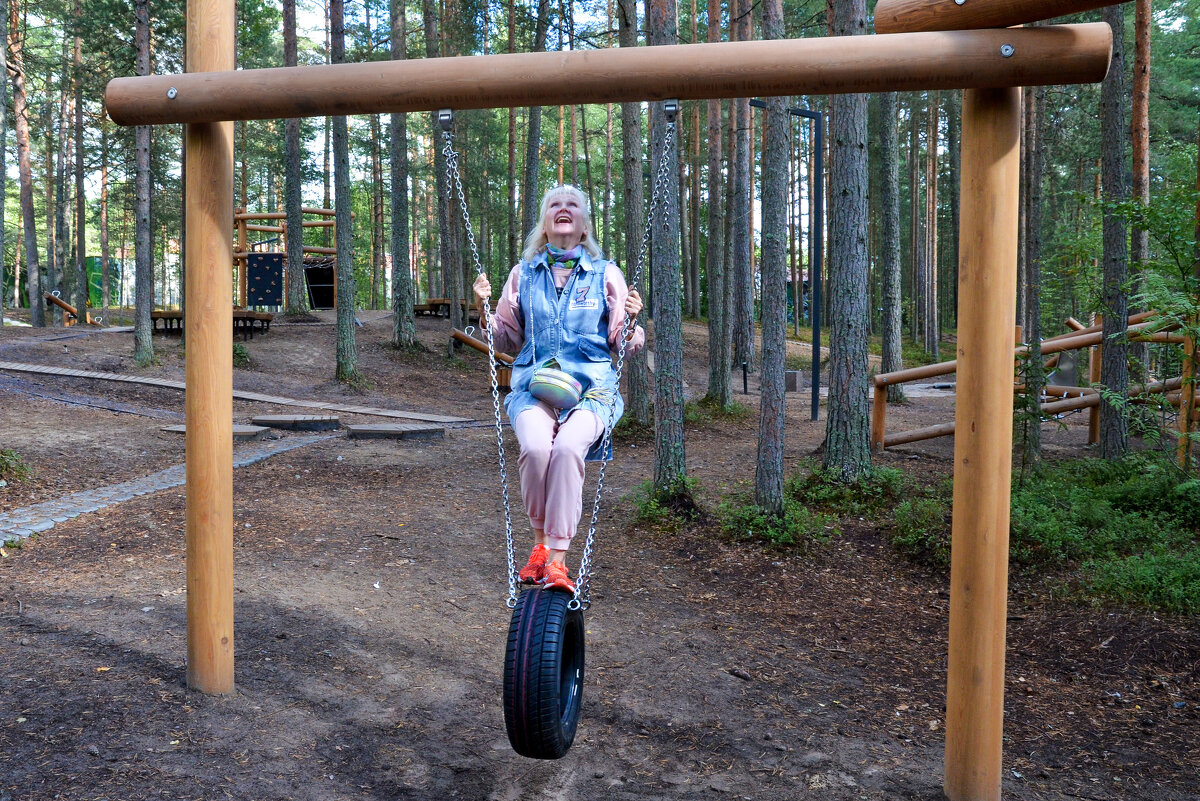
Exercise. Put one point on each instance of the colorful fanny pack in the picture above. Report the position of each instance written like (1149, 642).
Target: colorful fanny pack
(555, 387)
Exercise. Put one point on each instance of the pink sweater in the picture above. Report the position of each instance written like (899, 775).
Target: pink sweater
(509, 335)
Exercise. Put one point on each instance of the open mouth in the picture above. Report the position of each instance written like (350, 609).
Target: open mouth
(563, 218)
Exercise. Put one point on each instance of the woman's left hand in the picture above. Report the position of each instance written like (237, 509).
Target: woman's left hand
(633, 304)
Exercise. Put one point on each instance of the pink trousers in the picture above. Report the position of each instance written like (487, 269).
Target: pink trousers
(551, 467)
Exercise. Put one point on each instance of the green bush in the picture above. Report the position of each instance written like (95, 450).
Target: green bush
(922, 530)
(241, 356)
(741, 519)
(825, 491)
(1160, 578)
(667, 509)
(12, 465)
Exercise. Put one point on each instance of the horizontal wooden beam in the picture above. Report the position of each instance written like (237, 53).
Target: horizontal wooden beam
(901, 16)
(1065, 54)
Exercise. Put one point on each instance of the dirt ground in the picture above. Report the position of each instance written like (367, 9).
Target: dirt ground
(370, 617)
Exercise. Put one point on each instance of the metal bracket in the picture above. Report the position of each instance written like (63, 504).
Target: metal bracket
(670, 109)
(446, 118)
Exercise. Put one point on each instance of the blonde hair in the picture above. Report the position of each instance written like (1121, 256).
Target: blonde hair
(536, 241)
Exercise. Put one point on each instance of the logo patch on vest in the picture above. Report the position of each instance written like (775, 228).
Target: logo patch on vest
(582, 301)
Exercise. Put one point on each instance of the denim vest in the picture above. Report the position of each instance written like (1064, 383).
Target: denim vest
(572, 329)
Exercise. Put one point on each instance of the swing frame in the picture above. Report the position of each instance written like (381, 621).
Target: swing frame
(989, 64)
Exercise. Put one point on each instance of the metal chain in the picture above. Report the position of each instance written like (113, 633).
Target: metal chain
(582, 597)
(583, 584)
(446, 117)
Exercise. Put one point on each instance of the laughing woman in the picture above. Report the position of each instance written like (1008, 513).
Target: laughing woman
(563, 310)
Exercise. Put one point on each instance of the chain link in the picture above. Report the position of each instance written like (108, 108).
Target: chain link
(582, 597)
(583, 585)
(452, 175)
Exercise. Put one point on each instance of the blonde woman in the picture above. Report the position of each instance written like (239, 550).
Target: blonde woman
(564, 305)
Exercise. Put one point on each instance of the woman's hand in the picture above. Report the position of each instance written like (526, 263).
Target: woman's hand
(483, 289)
(633, 304)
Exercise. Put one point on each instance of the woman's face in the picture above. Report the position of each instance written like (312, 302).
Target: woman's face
(564, 222)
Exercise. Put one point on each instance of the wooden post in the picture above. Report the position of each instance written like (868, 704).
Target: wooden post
(896, 16)
(1187, 402)
(209, 154)
(878, 417)
(243, 248)
(1094, 378)
(983, 443)
(1055, 54)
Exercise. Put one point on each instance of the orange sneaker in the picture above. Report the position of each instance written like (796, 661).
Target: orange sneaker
(557, 577)
(532, 572)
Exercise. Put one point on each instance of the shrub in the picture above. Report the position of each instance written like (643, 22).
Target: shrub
(741, 519)
(12, 465)
(825, 491)
(1160, 578)
(667, 508)
(922, 530)
(241, 356)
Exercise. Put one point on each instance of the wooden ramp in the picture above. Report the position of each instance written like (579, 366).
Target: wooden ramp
(251, 396)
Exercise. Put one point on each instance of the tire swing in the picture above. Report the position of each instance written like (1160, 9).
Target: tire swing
(544, 657)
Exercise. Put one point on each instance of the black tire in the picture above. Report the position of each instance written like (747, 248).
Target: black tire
(543, 674)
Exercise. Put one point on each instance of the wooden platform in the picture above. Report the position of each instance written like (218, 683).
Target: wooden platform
(396, 431)
(298, 422)
(240, 432)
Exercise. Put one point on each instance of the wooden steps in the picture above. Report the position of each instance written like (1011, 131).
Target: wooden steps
(396, 431)
(240, 432)
(298, 422)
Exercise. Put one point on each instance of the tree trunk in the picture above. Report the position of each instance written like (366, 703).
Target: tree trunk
(81, 279)
(719, 355)
(932, 324)
(296, 302)
(1139, 251)
(404, 329)
(1114, 370)
(847, 435)
(768, 479)
(105, 293)
(530, 195)
(743, 275)
(4, 164)
(376, 211)
(916, 295)
(889, 189)
(1035, 374)
(143, 331)
(669, 466)
(953, 115)
(641, 399)
(347, 350)
(33, 280)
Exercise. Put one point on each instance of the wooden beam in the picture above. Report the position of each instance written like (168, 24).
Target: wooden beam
(209, 368)
(946, 60)
(899, 16)
(983, 443)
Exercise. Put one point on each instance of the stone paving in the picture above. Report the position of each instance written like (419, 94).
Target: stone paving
(25, 522)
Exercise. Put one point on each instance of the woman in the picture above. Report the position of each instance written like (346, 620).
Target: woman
(564, 305)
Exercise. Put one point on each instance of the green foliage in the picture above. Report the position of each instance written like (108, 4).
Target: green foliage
(740, 519)
(1159, 578)
(667, 509)
(705, 411)
(922, 530)
(823, 490)
(241, 356)
(12, 465)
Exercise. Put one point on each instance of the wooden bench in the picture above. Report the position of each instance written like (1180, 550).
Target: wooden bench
(245, 321)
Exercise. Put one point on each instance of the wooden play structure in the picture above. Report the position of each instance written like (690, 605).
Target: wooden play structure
(71, 314)
(1073, 398)
(320, 268)
(990, 64)
(504, 366)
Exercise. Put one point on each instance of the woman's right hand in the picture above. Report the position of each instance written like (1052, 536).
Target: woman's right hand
(482, 288)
